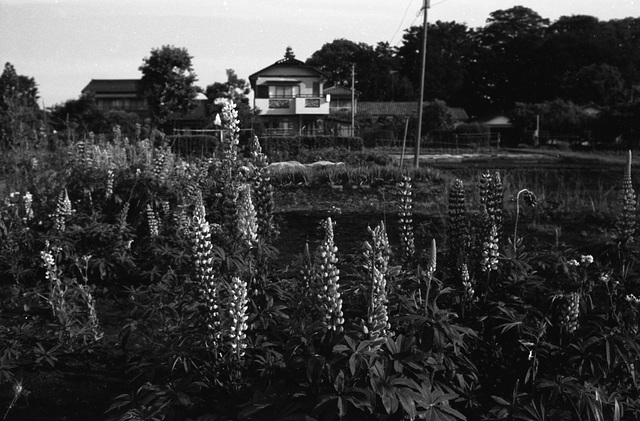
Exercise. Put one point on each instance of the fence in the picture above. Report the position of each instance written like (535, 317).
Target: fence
(447, 142)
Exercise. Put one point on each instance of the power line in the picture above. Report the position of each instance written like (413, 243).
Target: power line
(414, 19)
(401, 21)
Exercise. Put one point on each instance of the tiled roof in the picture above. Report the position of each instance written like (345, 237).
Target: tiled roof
(388, 108)
(112, 86)
(338, 90)
(459, 114)
(402, 109)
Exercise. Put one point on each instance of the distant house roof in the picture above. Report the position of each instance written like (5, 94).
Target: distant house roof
(459, 114)
(403, 109)
(339, 91)
(388, 108)
(496, 120)
(112, 86)
(287, 62)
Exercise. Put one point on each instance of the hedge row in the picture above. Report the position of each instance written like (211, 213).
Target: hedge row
(287, 148)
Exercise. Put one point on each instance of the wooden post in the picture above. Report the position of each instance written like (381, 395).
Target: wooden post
(404, 142)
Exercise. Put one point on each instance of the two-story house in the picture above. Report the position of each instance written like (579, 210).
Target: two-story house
(117, 94)
(289, 96)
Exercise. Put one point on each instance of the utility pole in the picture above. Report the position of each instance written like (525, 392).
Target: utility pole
(353, 100)
(416, 158)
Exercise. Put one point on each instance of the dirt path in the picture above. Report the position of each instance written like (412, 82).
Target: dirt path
(520, 158)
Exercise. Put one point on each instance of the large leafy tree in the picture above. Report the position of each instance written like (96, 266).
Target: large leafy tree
(236, 89)
(18, 105)
(450, 50)
(168, 81)
(599, 83)
(375, 68)
(558, 117)
(506, 68)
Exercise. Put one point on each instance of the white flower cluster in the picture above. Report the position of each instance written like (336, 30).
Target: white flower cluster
(490, 251)
(110, 180)
(203, 254)
(377, 258)
(152, 220)
(405, 215)
(238, 306)
(586, 259)
(63, 210)
(328, 276)
(632, 299)
(247, 219)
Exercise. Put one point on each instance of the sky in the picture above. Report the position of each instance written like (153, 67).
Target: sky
(63, 44)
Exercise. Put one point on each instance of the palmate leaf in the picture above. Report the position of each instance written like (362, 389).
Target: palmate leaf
(436, 404)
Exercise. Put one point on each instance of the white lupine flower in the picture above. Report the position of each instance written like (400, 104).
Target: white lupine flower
(238, 306)
(588, 259)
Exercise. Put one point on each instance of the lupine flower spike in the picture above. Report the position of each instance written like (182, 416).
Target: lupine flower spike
(63, 210)
(152, 220)
(459, 235)
(110, 180)
(203, 259)
(328, 276)
(626, 224)
(405, 219)
(467, 285)
(568, 311)
(238, 305)
(246, 219)
(491, 198)
(27, 201)
(376, 262)
(490, 251)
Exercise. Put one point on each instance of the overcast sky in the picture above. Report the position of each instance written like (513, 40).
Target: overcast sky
(64, 44)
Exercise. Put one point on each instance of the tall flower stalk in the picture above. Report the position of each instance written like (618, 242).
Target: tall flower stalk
(63, 211)
(491, 198)
(626, 223)
(152, 220)
(489, 260)
(459, 235)
(376, 262)
(237, 307)
(327, 276)
(530, 199)
(405, 219)
(247, 227)
(207, 282)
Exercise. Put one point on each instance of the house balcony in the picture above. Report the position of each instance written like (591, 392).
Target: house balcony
(298, 105)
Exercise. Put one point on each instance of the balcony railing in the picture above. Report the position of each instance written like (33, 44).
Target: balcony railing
(291, 96)
(290, 132)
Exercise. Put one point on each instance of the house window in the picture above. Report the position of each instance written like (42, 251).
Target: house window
(283, 91)
(316, 88)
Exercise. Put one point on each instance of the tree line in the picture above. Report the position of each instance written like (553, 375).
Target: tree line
(518, 63)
